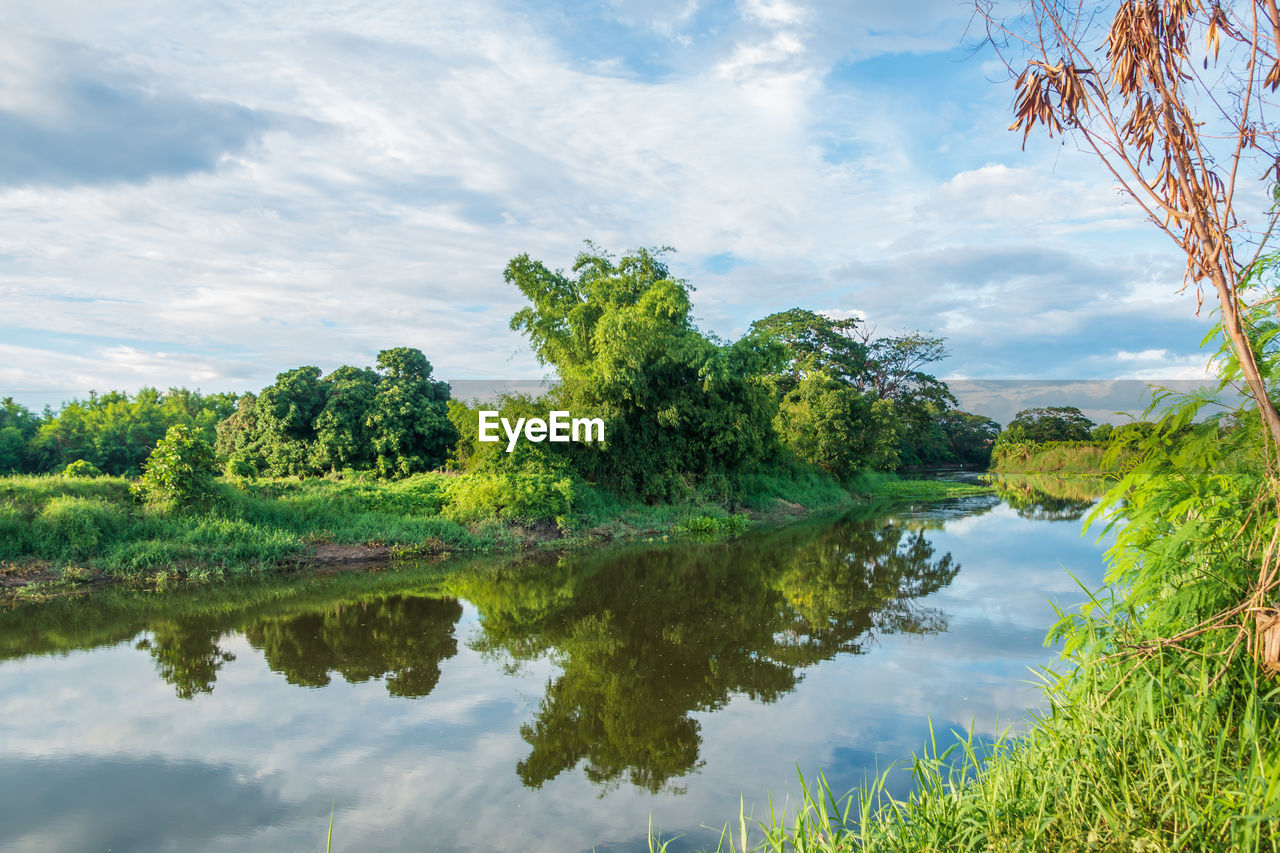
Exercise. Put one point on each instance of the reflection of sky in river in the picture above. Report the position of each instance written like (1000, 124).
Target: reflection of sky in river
(96, 751)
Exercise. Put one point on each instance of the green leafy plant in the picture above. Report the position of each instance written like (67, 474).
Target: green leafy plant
(81, 468)
(714, 525)
(529, 496)
(240, 466)
(180, 472)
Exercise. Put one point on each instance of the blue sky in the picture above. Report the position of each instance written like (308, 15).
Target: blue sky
(205, 196)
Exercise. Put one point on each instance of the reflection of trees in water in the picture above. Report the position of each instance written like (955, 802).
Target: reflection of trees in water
(647, 637)
(187, 654)
(401, 638)
(1050, 499)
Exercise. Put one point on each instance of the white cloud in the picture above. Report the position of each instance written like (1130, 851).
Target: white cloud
(773, 12)
(428, 145)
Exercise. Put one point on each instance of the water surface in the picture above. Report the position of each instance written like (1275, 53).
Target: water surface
(556, 702)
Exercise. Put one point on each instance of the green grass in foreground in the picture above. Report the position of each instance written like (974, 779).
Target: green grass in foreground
(1158, 766)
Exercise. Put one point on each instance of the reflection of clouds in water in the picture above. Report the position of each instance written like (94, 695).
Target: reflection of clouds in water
(96, 798)
(439, 770)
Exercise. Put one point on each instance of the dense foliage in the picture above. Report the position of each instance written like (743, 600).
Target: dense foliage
(686, 412)
(687, 416)
(680, 408)
(1051, 423)
(852, 402)
(392, 419)
(114, 432)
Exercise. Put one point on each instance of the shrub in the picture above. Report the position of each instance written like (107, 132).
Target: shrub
(526, 497)
(81, 468)
(240, 466)
(180, 472)
(418, 494)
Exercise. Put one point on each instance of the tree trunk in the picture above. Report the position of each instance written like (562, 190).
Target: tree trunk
(1244, 352)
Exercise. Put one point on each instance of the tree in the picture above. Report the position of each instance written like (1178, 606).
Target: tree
(894, 367)
(1178, 106)
(18, 426)
(679, 407)
(970, 437)
(887, 369)
(393, 419)
(814, 343)
(342, 437)
(837, 428)
(116, 431)
(1051, 423)
(409, 427)
(286, 414)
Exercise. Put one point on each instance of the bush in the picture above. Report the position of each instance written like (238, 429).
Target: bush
(180, 472)
(71, 528)
(418, 494)
(526, 497)
(240, 466)
(81, 468)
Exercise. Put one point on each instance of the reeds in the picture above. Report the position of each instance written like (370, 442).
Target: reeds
(1163, 763)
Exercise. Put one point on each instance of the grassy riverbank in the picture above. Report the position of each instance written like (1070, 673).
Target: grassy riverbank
(1163, 726)
(1155, 764)
(1062, 459)
(57, 532)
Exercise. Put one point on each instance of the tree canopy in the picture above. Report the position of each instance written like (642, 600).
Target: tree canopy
(680, 407)
(393, 419)
(1051, 423)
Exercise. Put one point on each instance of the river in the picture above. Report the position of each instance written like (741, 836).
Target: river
(552, 702)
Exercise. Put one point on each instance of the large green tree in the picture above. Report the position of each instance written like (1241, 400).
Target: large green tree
(393, 420)
(680, 408)
(409, 427)
(838, 366)
(815, 344)
(1050, 423)
(831, 424)
(970, 437)
(342, 434)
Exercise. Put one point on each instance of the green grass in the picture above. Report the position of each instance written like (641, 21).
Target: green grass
(919, 491)
(88, 527)
(95, 523)
(1063, 459)
(1159, 765)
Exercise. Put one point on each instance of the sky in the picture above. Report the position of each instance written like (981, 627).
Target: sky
(207, 195)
